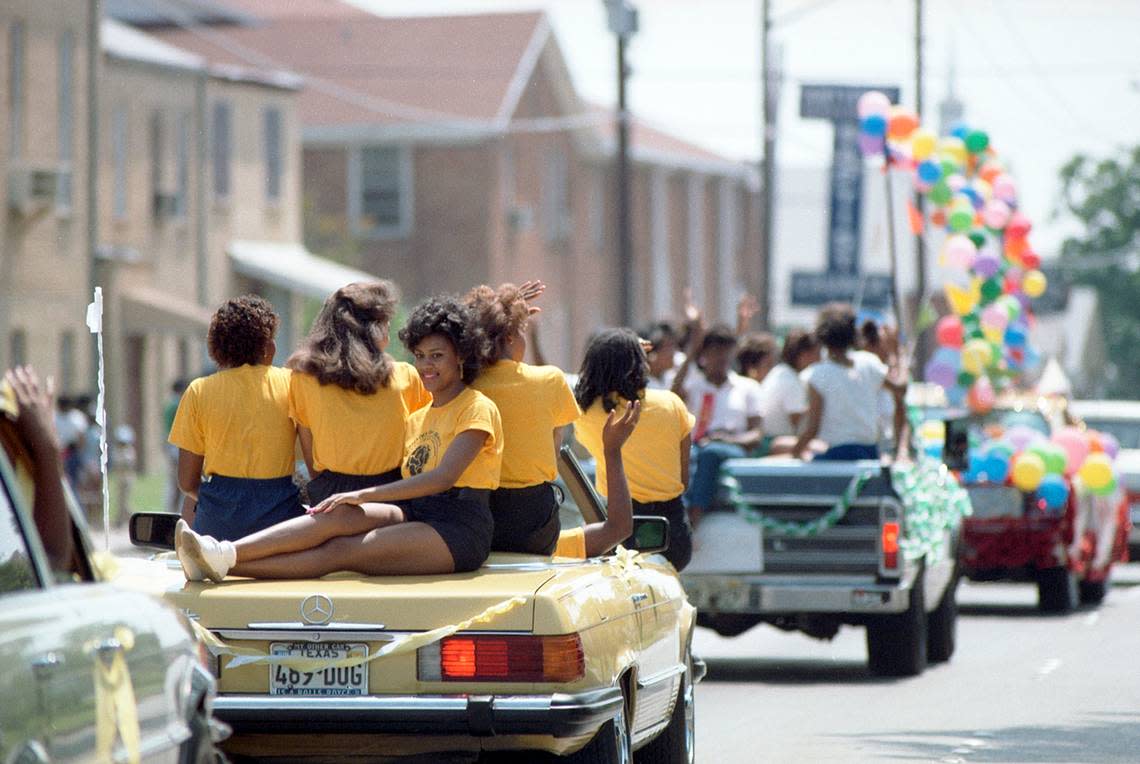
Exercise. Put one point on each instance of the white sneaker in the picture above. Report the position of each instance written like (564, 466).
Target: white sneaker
(212, 557)
(189, 567)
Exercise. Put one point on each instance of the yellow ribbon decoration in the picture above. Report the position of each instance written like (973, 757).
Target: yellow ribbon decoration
(115, 707)
(245, 656)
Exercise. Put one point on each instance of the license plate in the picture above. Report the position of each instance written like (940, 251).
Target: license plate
(864, 598)
(342, 681)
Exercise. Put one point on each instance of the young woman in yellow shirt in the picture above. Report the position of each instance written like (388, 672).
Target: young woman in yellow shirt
(350, 399)
(536, 404)
(615, 371)
(435, 520)
(233, 432)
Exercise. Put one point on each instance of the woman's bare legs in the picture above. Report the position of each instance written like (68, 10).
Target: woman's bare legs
(398, 549)
(308, 531)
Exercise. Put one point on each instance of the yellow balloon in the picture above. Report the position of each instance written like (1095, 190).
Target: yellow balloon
(933, 431)
(993, 334)
(1033, 283)
(952, 148)
(976, 356)
(1096, 472)
(1028, 471)
(962, 301)
(922, 143)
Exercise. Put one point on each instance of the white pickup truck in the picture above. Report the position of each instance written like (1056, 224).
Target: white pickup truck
(812, 546)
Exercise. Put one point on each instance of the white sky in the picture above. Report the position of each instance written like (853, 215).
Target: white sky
(1045, 78)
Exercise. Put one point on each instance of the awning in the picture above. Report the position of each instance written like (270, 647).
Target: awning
(292, 267)
(147, 310)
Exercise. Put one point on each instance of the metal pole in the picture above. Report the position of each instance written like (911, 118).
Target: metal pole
(625, 234)
(768, 173)
(94, 56)
(892, 247)
(919, 239)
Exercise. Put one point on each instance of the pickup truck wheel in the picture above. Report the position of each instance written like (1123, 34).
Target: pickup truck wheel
(611, 745)
(1092, 592)
(896, 644)
(677, 743)
(942, 625)
(1057, 590)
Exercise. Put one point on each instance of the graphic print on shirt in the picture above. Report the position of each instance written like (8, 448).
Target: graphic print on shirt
(424, 452)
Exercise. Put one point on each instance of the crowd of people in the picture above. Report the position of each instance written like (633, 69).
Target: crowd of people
(428, 467)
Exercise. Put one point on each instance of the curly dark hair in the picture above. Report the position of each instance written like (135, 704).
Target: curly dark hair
(614, 363)
(501, 313)
(345, 347)
(446, 315)
(240, 331)
(798, 341)
(718, 336)
(754, 350)
(835, 327)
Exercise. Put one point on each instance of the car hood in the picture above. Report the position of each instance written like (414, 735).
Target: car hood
(411, 603)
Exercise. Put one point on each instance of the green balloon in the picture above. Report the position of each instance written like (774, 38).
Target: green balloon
(940, 193)
(1053, 455)
(1106, 489)
(949, 167)
(991, 290)
(978, 238)
(965, 379)
(961, 221)
(977, 142)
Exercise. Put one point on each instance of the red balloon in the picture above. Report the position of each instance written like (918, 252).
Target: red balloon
(1015, 247)
(1031, 259)
(950, 332)
(938, 217)
(1018, 226)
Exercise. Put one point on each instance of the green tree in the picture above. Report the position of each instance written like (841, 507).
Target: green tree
(1104, 196)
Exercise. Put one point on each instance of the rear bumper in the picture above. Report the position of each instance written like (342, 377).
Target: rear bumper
(557, 714)
(765, 595)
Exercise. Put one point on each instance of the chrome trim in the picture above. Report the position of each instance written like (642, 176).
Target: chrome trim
(700, 669)
(305, 635)
(297, 625)
(759, 501)
(660, 676)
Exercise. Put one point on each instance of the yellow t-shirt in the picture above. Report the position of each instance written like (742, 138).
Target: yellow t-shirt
(571, 543)
(354, 433)
(532, 401)
(652, 455)
(238, 419)
(432, 428)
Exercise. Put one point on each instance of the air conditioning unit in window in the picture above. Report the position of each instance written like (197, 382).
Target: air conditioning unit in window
(32, 188)
(165, 205)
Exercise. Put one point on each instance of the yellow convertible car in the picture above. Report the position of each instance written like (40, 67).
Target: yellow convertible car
(584, 659)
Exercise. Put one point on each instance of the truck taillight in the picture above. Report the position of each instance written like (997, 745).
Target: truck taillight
(502, 658)
(890, 544)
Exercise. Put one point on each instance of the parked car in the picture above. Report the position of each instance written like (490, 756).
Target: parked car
(1121, 419)
(1013, 536)
(88, 671)
(587, 659)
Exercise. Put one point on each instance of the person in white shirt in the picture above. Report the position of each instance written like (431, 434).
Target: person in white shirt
(727, 407)
(665, 346)
(784, 397)
(843, 392)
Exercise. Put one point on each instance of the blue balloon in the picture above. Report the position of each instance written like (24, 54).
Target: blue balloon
(951, 357)
(929, 171)
(995, 468)
(974, 468)
(933, 450)
(874, 125)
(1054, 491)
(1015, 336)
(960, 130)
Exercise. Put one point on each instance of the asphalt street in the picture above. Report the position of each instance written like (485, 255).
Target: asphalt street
(1022, 687)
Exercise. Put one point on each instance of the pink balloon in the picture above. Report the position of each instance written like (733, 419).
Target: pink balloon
(1110, 443)
(1005, 189)
(996, 214)
(960, 252)
(956, 182)
(1076, 447)
(873, 103)
(995, 316)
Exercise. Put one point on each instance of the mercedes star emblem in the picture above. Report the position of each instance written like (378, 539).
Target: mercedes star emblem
(317, 609)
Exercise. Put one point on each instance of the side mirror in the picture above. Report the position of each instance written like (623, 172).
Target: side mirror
(650, 534)
(153, 529)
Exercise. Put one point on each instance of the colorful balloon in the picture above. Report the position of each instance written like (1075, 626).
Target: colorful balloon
(873, 102)
(1034, 283)
(901, 122)
(922, 144)
(950, 331)
(1054, 491)
(1096, 472)
(1075, 444)
(977, 142)
(928, 172)
(996, 214)
(874, 125)
(1027, 471)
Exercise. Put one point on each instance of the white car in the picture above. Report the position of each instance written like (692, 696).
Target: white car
(1122, 420)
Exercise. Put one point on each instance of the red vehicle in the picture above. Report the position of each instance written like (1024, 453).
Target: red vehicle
(1014, 536)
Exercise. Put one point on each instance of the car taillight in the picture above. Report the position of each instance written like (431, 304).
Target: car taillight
(502, 658)
(890, 544)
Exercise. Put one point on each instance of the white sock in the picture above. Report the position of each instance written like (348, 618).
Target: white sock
(229, 553)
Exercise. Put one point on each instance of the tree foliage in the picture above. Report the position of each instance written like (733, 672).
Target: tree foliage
(1104, 197)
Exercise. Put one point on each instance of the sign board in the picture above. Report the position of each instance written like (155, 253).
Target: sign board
(869, 290)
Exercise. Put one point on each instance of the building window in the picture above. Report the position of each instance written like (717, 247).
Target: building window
(223, 136)
(273, 154)
(119, 162)
(17, 348)
(379, 191)
(67, 362)
(556, 220)
(159, 200)
(182, 166)
(66, 62)
(16, 89)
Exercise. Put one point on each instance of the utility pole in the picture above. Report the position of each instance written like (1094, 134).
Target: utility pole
(919, 238)
(623, 23)
(768, 170)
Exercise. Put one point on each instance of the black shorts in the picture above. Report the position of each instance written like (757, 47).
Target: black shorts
(328, 482)
(526, 519)
(462, 517)
(680, 549)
